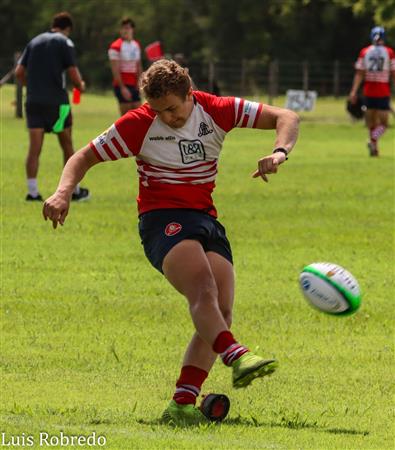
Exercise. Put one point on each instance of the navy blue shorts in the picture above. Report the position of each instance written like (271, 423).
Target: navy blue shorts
(382, 103)
(45, 116)
(133, 91)
(161, 229)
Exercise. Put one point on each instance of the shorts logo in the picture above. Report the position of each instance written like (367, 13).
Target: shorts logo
(172, 228)
(191, 151)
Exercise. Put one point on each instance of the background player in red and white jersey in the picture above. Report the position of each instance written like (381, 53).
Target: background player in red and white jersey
(374, 67)
(176, 139)
(125, 59)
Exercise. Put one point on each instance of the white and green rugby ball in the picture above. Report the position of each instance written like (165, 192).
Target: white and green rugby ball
(330, 288)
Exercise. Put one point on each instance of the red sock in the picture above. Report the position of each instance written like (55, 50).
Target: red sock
(377, 132)
(228, 348)
(189, 384)
(372, 135)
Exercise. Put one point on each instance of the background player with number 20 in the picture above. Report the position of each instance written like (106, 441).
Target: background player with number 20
(374, 66)
(176, 138)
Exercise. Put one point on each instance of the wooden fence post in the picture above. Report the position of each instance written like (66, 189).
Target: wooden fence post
(243, 77)
(305, 76)
(336, 78)
(18, 91)
(211, 76)
(273, 81)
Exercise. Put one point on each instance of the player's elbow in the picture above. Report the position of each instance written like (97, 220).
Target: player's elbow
(19, 72)
(291, 118)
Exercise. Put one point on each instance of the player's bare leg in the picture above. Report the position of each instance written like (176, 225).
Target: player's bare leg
(36, 139)
(192, 273)
(66, 143)
(187, 268)
(125, 107)
(199, 353)
(212, 276)
(377, 123)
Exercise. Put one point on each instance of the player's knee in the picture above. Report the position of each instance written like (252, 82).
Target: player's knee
(227, 315)
(205, 294)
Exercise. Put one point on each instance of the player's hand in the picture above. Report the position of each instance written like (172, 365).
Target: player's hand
(269, 164)
(126, 93)
(82, 86)
(56, 208)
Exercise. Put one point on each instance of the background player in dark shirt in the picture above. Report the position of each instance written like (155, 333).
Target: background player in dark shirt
(42, 67)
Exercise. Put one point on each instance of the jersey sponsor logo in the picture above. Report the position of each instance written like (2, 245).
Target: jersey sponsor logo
(191, 151)
(102, 138)
(204, 129)
(162, 138)
(172, 228)
(247, 107)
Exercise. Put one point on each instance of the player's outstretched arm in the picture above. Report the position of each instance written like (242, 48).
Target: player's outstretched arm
(75, 77)
(57, 206)
(286, 124)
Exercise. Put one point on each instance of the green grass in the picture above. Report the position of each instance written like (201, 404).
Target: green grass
(92, 336)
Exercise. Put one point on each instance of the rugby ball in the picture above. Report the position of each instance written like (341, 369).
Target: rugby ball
(330, 288)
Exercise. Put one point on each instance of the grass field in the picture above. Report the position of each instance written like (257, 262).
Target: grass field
(92, 336)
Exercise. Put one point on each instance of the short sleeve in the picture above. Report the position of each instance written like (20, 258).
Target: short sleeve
(125, 137)
(23, 60)
(230, 112)
(247, 113)
(110, 145)
(392, 59)
(114, 52)
(360, 63)
(68, 53)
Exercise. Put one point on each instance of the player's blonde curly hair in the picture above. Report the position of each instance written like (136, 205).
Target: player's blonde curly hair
(165, 77)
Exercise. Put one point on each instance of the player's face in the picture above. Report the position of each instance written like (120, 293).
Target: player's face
(172, 109)
(126, 32)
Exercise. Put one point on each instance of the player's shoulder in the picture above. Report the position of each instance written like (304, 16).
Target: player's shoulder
(133, 126)
(391, 52)
(116, 45)
(136, 42)
(221, 109)
(40, 38)
(142, 114)
(365, 50)
(212, 101)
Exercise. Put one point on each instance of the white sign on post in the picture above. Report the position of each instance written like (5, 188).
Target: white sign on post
(301, 100)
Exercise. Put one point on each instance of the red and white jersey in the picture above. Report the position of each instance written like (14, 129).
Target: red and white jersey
(128, 53)
(177, 167)
(377, 61)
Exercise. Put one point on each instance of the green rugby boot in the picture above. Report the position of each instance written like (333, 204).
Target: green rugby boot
(250, 366)
(183, 415)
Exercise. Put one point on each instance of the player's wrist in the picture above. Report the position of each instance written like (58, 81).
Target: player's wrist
(281, 151)
(64, 192)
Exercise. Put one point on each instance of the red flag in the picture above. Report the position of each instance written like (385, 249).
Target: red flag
(154, 51)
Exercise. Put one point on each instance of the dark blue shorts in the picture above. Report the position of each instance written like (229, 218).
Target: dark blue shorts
(45, 116)
(382, 103)
(162, 229)
(132, 89)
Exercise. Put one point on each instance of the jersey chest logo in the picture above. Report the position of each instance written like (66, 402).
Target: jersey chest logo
(204, 129)
(191, 150)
